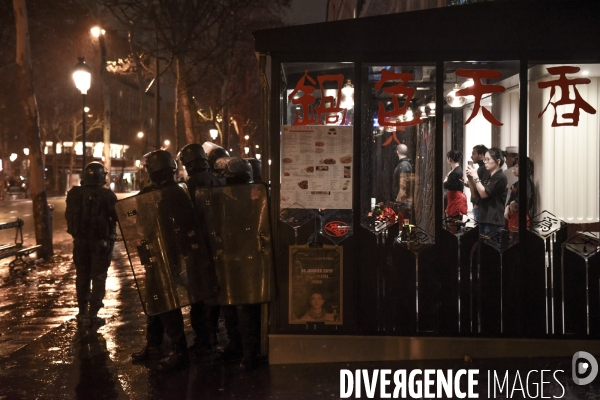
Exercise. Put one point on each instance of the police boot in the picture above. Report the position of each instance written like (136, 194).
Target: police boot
(176, 360)
(199, 353)
(233, 351)
(83, 318)
(249, 359)
(148, 352)
(95, 320)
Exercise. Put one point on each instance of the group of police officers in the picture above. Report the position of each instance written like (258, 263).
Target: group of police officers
(189, 256)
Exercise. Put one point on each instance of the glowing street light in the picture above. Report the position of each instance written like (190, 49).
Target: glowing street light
(13, 157)
(246, 137)
(26, 151)
(83, 79)
(213, 134)
(167, 142)
(97, 31)
(246, 149)
(258, 156)
(140, 134)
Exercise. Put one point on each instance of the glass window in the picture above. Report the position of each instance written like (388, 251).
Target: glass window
(481, 132)
(317, 144)
(563, 141)
(398, 136)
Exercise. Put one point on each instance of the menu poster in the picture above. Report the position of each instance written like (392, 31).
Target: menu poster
(316, 166)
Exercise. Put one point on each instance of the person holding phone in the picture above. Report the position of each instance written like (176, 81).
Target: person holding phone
(477, 156)
(456, 205)
(491, 191)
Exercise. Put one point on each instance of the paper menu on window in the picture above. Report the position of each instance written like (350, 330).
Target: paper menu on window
(316, 166)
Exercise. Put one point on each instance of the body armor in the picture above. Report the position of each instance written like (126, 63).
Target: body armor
(169, 255)
(241, 241)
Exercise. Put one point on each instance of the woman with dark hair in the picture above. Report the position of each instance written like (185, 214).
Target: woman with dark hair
(491, 189)
(456, 205)
(511, 212)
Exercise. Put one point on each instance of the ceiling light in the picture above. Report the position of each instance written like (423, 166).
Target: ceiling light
(453, 100)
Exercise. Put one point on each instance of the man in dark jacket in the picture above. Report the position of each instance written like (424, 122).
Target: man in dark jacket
(91, 220)
(477, 155)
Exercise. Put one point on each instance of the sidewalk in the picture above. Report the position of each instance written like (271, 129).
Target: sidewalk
(44, 356)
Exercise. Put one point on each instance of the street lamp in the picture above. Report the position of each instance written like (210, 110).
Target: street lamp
(13, 157)
(257, 156)
(246, 150)
(167, 142)
(140, 134)
(83, 78)
(26, 151)
(213, 134)
(96, 31)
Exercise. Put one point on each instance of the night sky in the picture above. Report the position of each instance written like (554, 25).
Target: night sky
(307, 12)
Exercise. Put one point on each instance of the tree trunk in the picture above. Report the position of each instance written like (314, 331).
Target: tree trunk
(105, 105)
(43, 235)
(187, 106)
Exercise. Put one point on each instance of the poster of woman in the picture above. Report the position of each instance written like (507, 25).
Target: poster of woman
(316, 285)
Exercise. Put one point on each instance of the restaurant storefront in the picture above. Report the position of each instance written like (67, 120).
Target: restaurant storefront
(360, 117)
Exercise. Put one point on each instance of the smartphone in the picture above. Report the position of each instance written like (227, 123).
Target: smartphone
(470, 163)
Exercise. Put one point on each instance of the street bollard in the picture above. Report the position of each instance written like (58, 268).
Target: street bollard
(50, 218)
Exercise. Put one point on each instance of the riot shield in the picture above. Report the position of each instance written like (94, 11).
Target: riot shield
(170, 259)
(238, 215)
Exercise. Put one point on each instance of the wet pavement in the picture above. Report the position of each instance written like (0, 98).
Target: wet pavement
(43, 354)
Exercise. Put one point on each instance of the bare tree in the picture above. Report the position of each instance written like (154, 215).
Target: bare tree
(43, 235)
(207, 42)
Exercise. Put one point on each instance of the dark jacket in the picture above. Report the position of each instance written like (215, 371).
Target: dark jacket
(91, 213)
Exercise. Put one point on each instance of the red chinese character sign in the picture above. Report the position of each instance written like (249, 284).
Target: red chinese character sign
(564, 84)
(478, 89)
(394, 117)
(306, 100)
(328, 111)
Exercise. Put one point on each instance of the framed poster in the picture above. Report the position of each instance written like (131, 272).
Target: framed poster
(316, 293)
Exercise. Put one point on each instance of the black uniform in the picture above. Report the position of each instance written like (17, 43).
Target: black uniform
(91, 220)
(203, 316)
(170, 322)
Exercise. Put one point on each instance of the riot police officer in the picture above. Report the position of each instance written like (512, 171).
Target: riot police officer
(204, 316)
(242, 322)
(91, 220)
(161, 167)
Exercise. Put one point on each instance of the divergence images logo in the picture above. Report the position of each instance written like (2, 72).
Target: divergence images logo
(584, 367)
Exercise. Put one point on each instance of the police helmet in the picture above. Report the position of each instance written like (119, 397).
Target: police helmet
(159, 160)
(239, 169)
(94, 174)
(215, 154)
(191, 152)
(256, 168)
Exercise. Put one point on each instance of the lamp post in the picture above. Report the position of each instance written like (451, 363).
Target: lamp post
(82, 77)
(26, 152)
